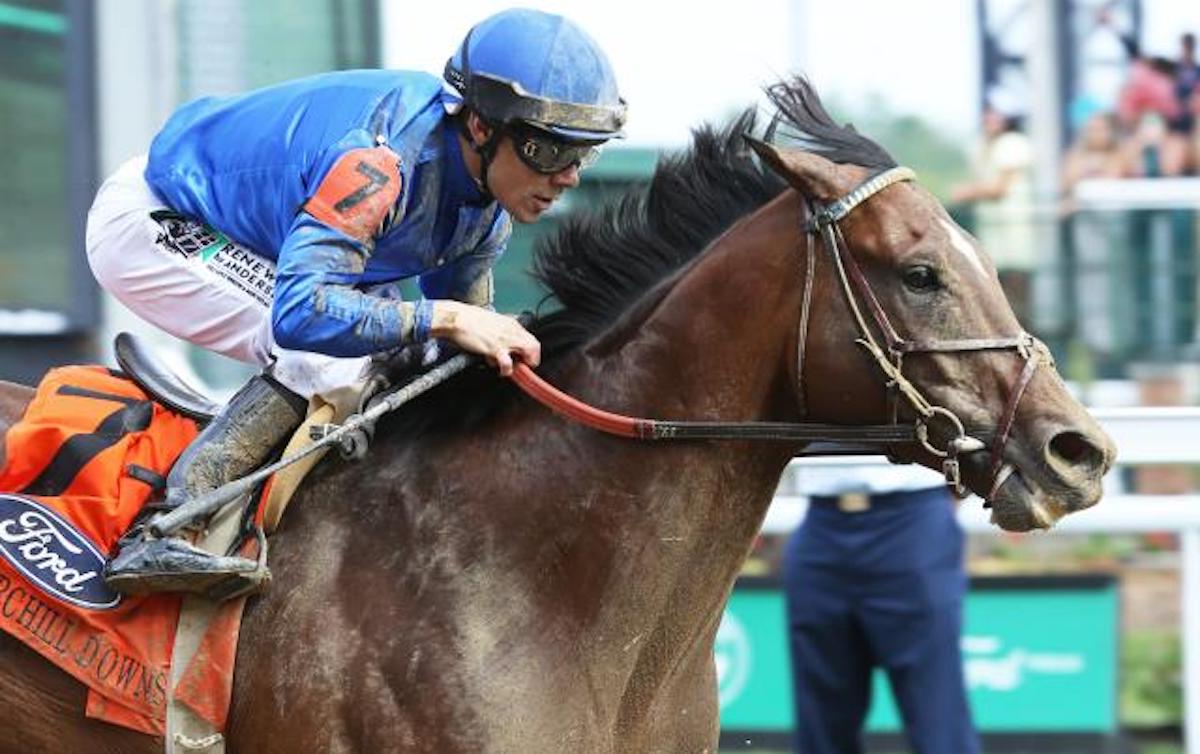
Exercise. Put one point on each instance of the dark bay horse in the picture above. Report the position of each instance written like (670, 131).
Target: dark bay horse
(493, 580)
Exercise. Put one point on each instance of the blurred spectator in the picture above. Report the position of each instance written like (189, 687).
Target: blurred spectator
(1002, 190)
(1096, 152)
(1151, 108)
(1150, 87)
(1192, 139)
(1187, 82)
(874, 577)
(1187, 89)
(1153, 150)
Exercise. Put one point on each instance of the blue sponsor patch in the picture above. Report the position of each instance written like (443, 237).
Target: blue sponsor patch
(52, 554)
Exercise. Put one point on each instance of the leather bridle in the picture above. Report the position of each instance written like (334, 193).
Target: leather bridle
(823, 221)
(889, 356)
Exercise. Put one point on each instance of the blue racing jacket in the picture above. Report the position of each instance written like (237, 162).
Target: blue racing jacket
(347, 180)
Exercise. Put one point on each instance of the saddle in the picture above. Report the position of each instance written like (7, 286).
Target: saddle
(89, 453)
(159, 663)
(92, 449)
(154, 377)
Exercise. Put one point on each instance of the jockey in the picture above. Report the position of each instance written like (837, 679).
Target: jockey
(272, 227)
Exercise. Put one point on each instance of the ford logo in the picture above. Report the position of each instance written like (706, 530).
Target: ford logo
(52, 554)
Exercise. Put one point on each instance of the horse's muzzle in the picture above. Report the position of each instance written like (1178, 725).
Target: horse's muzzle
(1079, 458)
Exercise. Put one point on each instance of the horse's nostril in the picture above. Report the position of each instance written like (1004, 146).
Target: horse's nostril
(1076, 449)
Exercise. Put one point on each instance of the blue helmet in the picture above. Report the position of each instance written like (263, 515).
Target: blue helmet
(528, 66)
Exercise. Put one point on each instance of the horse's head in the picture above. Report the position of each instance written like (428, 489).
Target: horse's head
(894, 273)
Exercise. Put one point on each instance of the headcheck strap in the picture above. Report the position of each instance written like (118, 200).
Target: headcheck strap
(835, 211)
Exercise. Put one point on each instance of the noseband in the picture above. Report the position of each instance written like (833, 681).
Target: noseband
(823, 221)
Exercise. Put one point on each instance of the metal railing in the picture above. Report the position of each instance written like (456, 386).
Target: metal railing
(1114, 280)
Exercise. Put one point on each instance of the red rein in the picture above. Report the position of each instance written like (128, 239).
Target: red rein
(664, 429)
(563, 404)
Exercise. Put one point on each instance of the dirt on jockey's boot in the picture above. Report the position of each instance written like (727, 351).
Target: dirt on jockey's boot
(237, 441)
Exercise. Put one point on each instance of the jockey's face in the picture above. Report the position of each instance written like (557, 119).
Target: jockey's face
(525, 193)
(521, 190)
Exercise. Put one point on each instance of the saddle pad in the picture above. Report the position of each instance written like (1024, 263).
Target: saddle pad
(89, 452)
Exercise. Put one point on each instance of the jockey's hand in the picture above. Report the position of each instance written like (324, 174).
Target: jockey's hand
(496, 337)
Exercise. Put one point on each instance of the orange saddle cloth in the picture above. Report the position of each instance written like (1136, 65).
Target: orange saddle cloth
(89, 452)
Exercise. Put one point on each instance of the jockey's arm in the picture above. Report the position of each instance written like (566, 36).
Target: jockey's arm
(317, 307)
(462, 297)
(468, 280)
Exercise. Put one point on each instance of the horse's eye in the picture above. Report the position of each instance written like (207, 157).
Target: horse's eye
(921, 277)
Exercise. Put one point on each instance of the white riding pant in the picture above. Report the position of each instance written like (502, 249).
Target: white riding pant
(196, 284)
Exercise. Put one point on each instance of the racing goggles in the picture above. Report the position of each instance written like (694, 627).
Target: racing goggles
(545, 153)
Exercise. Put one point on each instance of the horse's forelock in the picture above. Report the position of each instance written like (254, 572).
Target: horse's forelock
(807, 124)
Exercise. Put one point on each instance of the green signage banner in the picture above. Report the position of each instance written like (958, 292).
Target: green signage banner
(1039, 654)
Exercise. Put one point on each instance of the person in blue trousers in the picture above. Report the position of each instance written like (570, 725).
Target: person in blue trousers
(874, 577)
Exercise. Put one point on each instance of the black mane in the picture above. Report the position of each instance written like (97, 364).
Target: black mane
(599, 264)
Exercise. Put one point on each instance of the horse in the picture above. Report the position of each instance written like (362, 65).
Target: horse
(492, 579)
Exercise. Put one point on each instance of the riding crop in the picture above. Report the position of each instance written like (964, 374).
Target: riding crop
(342, 435)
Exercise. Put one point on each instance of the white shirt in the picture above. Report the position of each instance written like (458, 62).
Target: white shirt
(874, 480)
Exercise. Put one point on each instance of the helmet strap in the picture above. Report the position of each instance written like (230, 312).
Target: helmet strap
(487, 152)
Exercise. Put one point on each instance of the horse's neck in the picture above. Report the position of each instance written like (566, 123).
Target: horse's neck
(617, 555)
(716, 347)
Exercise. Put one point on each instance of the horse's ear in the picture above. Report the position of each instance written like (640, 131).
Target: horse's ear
(810, 174)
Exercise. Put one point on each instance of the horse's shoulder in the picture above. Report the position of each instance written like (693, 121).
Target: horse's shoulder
(14, 398)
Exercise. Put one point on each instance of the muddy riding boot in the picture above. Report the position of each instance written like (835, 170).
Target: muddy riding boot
(237, 441)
